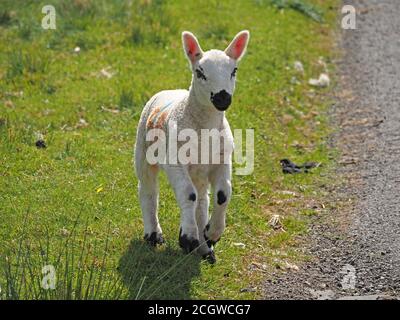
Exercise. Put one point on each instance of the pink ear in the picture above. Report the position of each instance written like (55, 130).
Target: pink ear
(191, 47)
(237, 47)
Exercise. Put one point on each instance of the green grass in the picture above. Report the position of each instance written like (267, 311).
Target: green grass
(74, 204)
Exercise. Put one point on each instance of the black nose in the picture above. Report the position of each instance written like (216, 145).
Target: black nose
(221, 100)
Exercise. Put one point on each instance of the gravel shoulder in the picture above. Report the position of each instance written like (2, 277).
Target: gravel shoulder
(356, 250)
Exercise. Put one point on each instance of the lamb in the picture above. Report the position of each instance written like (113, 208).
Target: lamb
(201, 107)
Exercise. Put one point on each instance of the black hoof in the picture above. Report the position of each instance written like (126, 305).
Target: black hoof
(210, 242)
(210, 257)
(154, 239)
(186, 243)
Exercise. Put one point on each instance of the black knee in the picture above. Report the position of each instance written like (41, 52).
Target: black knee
(221, 197)
(192, 197)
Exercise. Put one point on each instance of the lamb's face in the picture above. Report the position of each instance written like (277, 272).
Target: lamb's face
(214, 77)
(214, 71)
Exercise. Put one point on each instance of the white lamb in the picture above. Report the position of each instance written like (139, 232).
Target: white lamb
(201, 107)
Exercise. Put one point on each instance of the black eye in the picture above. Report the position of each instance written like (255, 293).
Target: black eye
(233, 74)
(200, 74)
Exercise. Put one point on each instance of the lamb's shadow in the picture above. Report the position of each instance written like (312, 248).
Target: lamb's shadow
(161, 273)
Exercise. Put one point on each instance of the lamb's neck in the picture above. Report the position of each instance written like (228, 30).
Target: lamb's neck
(204, 116)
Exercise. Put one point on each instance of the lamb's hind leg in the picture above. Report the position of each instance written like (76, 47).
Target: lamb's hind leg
(148, 188)
(148, 194)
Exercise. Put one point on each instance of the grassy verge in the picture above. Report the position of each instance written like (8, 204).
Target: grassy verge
(73, 204)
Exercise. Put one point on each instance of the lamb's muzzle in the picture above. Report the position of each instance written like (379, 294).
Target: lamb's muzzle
(221, 100)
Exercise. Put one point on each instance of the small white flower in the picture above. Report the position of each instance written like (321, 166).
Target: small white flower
(323, 81)
(298, 66)
(239, 244)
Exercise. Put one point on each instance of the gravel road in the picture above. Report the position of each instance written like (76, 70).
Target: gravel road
(357, 252)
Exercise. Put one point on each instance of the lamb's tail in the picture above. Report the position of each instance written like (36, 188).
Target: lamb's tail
(140, 145)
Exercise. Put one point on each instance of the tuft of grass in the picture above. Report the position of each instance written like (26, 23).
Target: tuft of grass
(25, 31)
(5, 18)
(301, 6)
(152, 24)
(16, 66)
(307, 9)
(25, 64)
(219, 32)
(34, 270)
(126, 99)
(137, 36)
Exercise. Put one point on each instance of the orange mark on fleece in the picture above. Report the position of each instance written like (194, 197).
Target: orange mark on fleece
(154, 168)
(151, 117)
(156, 119)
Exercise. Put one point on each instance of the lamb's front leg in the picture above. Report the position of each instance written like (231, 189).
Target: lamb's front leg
(222, 189)
(201, 184)
(186, 196)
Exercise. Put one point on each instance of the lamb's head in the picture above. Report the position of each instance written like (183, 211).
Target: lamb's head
(214, 71)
